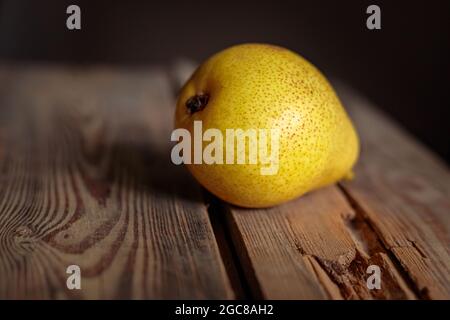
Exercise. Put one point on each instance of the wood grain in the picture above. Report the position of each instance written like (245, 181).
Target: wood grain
(309, 248)
(86, 179)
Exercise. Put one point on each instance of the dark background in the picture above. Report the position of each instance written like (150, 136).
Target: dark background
(403, 68)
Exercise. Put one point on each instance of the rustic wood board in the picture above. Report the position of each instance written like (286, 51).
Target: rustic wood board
(85, 180)
(315, 236)
(402, 191)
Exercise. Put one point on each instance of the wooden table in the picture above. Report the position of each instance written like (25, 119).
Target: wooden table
(86, 179)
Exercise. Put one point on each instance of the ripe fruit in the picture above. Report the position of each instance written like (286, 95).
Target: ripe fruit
(259, 86)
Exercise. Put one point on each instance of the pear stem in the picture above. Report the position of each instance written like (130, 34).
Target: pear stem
(197, 103)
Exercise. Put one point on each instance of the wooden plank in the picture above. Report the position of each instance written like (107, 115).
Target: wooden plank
(402, 190)
(312, 248)
(86, 179)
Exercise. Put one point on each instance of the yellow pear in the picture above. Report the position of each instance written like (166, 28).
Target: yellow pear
(271, 90)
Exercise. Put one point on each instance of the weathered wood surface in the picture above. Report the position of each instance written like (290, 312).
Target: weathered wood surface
(86, 179)
(402, 191)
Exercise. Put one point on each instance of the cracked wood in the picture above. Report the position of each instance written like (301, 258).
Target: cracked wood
(402, 190)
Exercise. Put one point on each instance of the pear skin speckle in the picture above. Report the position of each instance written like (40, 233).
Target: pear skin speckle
(260, 86)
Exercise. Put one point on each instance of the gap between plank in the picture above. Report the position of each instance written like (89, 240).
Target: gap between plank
(228, 251)
(359, 225)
